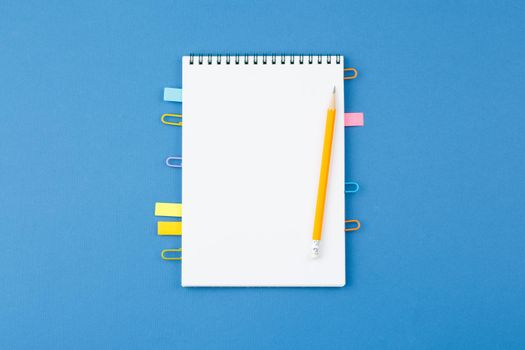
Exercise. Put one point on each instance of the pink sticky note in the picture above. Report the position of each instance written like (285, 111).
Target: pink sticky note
(354, 119)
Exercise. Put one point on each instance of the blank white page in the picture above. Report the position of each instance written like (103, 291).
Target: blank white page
(252, 145)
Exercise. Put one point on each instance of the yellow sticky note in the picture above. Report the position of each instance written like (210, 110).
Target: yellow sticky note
(168, 209)
(169, 228)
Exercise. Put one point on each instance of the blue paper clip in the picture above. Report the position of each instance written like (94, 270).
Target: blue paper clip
(354, 189)
(169, 159)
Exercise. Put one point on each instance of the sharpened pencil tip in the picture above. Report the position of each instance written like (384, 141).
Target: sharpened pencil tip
(332, 100)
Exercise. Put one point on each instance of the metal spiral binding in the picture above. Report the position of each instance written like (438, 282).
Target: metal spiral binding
(264, 59)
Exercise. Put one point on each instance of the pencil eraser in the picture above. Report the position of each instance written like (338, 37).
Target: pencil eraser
(173, 94)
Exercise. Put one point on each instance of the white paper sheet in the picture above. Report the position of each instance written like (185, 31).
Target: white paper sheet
(252, 144)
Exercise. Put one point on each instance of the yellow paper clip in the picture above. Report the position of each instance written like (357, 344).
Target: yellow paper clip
(351, 76)
(164, 257)
(169, 228)
(355, 228)
(167, 122)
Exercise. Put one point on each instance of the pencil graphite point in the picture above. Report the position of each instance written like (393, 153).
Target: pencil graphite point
(332, 100)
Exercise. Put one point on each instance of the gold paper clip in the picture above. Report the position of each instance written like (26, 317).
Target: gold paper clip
(351, 76)
(164, 121)
(164, 257)
(355, 228)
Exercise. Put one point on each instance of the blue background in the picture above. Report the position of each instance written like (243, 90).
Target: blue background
(438, 263)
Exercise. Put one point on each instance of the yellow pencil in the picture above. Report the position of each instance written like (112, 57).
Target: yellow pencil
(323, 177)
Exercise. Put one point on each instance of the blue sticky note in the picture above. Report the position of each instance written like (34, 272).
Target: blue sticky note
(173, 94)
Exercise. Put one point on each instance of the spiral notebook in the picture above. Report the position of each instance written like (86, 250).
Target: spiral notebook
(252, 143)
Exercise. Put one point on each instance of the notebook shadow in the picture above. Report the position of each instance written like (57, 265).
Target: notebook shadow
(349, 176)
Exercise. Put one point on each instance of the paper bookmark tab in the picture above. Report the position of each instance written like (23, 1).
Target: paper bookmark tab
(173, 94)
(354, 119)
(169, 228)
(168, 209)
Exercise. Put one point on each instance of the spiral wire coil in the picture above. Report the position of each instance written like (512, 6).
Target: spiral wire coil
(263, 59)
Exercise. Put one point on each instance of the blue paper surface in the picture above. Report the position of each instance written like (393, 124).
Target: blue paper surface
(437, 264)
